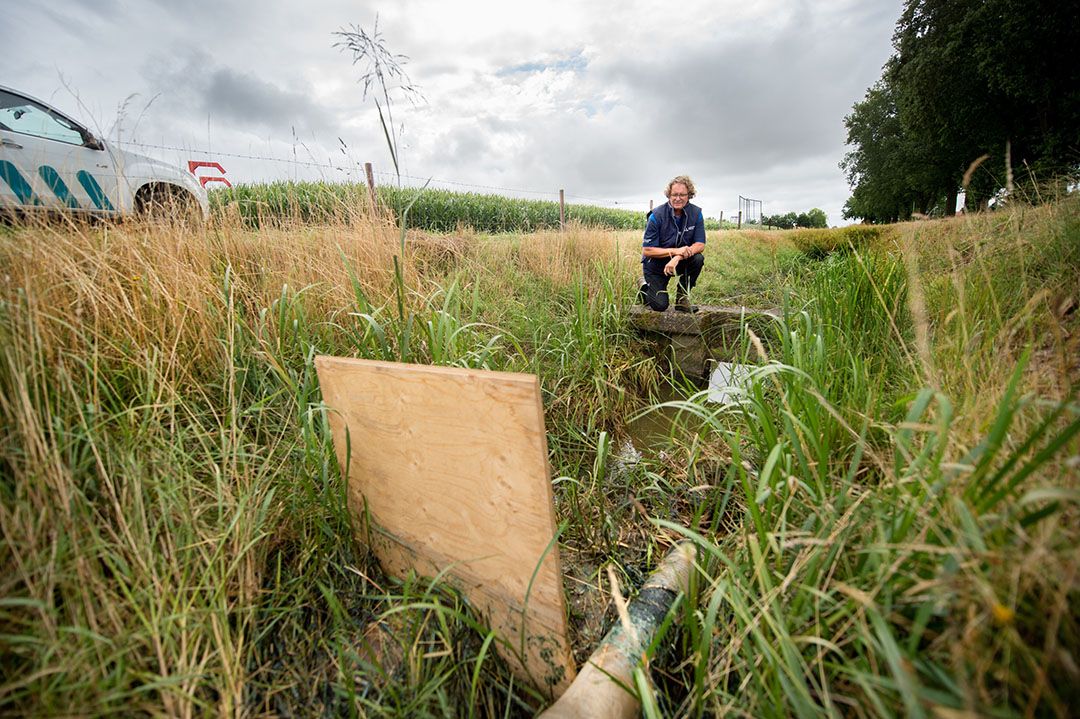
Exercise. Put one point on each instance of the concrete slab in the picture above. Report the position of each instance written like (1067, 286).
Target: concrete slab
(692, 323)
(692, 339)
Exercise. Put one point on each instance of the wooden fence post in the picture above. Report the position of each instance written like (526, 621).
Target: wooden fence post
(721, 219)
(562, 211)
(370, 185)
(739, 226)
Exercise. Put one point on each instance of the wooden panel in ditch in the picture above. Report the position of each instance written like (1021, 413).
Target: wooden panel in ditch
(448, 472)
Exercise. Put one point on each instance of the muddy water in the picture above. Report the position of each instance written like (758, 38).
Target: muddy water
(658, 426)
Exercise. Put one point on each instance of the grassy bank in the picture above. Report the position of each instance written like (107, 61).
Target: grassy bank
(905, 494)
(888, 518)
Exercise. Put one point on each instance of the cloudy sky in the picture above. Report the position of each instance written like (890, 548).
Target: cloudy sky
(605, 99)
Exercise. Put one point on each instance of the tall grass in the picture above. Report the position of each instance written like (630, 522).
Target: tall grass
(930, 570)
(175, 532)
(888, 515)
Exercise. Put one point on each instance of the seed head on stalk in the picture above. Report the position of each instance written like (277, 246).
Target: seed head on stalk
(382, 76)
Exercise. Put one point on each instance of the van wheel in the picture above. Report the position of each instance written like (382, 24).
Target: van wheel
(167, 203)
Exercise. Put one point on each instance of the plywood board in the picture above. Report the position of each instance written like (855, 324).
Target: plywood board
(448, 469)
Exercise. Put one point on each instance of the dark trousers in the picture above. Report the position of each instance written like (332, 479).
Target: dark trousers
(655, 287)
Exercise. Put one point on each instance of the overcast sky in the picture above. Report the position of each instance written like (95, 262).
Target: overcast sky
(606, 99)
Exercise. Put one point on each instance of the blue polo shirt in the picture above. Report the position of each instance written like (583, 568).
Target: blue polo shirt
(666, 230)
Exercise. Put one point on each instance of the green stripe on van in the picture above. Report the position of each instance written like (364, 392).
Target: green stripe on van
(11, 175)
(97, 195)
(58, 186)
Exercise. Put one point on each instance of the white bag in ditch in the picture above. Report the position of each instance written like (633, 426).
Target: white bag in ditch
(728, 382)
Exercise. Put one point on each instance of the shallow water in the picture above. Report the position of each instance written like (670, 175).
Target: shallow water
(657, 427)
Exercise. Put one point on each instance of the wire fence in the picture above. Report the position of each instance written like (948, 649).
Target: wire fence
(350, 171)
(356, 170)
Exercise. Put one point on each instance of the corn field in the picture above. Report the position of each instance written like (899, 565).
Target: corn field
(431, 210)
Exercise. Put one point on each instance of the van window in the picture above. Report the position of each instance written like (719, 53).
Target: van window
(19, 114)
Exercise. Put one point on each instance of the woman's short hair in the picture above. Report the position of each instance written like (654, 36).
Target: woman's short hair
(681, 180)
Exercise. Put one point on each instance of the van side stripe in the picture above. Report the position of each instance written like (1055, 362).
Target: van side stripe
(11, 175)
(94, 190)
(58, 186)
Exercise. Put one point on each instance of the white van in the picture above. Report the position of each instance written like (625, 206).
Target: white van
(49, 162)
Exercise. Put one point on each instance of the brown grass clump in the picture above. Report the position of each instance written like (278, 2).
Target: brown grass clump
(557, 256)
(148, 285)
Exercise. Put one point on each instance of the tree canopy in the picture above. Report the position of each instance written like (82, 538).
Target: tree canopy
(967, 79)
(812, 218)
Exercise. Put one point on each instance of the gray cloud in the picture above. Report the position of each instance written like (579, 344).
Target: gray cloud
(194, 85)
(759, 113)
(753, 101)
(599, 98)
(250, 100)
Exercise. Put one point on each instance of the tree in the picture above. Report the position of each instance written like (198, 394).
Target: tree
(967, 78)
(813, 218)
(817, 218)
(887, 165)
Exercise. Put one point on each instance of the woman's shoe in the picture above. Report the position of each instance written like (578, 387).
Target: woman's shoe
(682, 304)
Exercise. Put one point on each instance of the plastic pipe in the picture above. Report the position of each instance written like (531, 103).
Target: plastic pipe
(599, 689)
